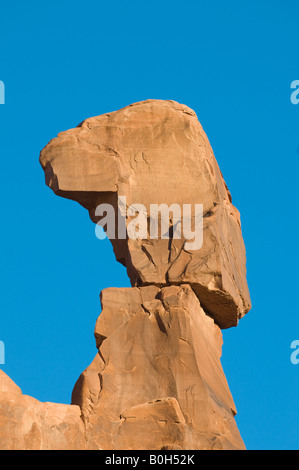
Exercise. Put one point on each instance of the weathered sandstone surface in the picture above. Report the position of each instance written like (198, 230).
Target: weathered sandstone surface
(156, 152)
(28, 424)
(156, 381)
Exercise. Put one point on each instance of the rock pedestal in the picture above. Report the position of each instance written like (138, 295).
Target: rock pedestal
(157, 380)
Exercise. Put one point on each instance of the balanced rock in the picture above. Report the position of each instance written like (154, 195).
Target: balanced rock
(148, 176)
(152, 153)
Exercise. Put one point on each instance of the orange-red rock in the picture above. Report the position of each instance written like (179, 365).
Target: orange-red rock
(156, 381)
(156, 152)
(28, 424)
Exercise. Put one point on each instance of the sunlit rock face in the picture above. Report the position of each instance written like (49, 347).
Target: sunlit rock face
(28, 424)
(156, 381)
(156, 152)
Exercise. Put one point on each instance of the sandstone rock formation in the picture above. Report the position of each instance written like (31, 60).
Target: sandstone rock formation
(156, 381)
(27, 424)
(156, 152)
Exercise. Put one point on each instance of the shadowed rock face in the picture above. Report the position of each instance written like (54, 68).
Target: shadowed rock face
(156, 381)
(156, 152)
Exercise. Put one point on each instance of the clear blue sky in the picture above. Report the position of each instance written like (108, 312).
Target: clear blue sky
(233, 63)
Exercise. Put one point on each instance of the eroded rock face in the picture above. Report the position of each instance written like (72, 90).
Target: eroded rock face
(156, 152)
(157, 380)
(28, 424)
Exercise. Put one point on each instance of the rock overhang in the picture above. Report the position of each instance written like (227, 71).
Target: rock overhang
(156, 152)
